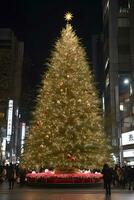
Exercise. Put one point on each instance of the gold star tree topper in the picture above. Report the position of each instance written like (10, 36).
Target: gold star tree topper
(68, 16)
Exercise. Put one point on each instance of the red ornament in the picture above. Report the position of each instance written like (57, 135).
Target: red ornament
(73, 158)
(70, 157)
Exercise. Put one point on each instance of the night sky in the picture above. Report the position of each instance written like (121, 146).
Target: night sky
(39, 22)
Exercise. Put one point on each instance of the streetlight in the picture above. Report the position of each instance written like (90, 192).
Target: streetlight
(126, 81)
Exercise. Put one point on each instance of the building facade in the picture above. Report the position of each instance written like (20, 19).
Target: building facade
(118, 53)
(97, 60)
(11, 60)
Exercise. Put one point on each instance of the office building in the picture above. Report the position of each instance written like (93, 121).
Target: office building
(118, 50)
(97, 60)
(11, 59)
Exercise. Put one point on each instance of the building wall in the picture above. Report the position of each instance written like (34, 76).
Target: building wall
(11, 59)
(118, 30)
(97, 60)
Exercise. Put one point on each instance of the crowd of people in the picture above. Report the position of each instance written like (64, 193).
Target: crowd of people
(12, 173)
(121, 177)
(118, 177)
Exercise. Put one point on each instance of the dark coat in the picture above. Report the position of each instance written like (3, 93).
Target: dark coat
(11, 173)
(107, 174)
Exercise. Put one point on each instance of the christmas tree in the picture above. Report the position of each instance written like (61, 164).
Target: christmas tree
(67, 127)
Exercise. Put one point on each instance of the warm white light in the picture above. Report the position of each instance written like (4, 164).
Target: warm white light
(68, 16)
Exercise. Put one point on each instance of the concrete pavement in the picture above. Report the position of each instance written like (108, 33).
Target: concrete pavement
(28, 193)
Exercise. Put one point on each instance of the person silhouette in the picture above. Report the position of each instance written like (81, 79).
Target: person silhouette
(11, 176)
(107, 177)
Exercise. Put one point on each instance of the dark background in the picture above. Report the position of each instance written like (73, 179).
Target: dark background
(38, 23)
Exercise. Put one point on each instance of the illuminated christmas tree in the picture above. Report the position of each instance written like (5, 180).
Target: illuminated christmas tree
(67, 127)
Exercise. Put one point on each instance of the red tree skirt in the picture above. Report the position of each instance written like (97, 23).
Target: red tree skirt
(72, 178)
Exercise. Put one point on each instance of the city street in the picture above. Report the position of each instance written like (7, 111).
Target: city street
(28, 193)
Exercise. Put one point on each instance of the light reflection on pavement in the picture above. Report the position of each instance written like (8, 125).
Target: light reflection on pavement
(61, 194)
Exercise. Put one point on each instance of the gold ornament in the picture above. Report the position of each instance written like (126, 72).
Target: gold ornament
(79, 100)
(58, 102)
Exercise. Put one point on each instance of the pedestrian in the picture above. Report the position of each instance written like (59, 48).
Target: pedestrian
(107, 177)
(22, 176)
(1, 174)
(130, 177)
(11, 175)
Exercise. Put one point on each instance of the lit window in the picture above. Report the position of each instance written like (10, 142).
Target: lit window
(123, 22)
(121, 107)
(107, 62)
(103, 103)
(129, 6)
(107, 5)
(131, 90)
(107, 80)
(123, 10)
(106, 8)
(124, 6)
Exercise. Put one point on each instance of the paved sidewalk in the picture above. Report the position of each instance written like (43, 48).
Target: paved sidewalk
(28, 193)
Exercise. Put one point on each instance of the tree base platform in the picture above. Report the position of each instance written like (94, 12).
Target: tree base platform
(63, 180)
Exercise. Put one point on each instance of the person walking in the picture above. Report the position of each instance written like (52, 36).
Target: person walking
(2, 174)
(11, 173)
(22, 176)
(130, 177)
(107, 177)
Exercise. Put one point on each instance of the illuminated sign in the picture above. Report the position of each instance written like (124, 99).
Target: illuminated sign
(8, 138)
(23, 132)
(128, 153)
(128, 138)
(3, 147)
(10, 117)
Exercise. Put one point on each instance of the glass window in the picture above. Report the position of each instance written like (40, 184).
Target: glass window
(107, 80)
(106, 63)
(123, 6)
(106, 8)
(124, 84)
(123, 3)
(123, 32)
(121, 107)
(124, 58)
(123, 22)
(124, 49)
